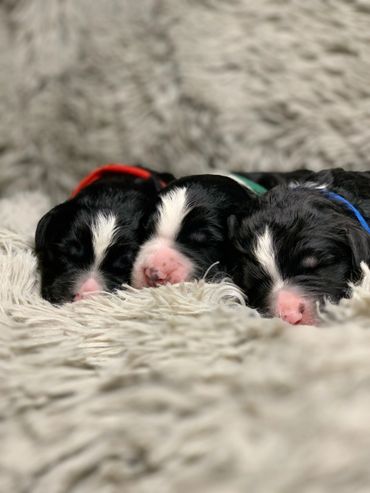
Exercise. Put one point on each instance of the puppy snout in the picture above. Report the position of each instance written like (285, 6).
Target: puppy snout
(87, 288)
(165, 267)
(160, 264)
(292, 307)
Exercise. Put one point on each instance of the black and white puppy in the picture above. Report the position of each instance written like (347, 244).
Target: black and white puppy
(188, 232)
(303, 244)
(89, 242)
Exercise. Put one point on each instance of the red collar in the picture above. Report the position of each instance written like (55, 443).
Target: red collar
(112, 168)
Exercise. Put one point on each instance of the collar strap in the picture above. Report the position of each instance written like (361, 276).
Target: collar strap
(124, 169)
(252, 185)
(351, 207)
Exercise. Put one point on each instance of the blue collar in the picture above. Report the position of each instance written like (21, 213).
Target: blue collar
(356, 212)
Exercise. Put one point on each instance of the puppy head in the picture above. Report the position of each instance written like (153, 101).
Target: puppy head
(188, 232)
(82, 249)
(298, 250)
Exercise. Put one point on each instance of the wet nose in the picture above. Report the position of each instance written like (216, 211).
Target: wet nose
(154, 277)
(294, 308)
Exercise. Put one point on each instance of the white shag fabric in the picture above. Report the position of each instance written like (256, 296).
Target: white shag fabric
(174, 389)
(180, 388)
(184, 85)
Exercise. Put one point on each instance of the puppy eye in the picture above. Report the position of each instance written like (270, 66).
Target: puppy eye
(123, 261)
(310, 262)
(198, 237)
(72, 250)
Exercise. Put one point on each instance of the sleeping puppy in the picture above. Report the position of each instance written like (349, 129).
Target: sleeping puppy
(188, 232)
(89, 242)
(303, 244)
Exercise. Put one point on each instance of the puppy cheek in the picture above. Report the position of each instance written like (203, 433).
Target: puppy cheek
(57, 293)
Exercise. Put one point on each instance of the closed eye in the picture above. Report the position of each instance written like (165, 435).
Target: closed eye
(72, 250)
(119, 257)
(198, 237)
(310, 262)
(315, 262)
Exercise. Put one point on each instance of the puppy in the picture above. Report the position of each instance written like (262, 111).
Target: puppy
(188, 232)
(303, 244)
(89, 242)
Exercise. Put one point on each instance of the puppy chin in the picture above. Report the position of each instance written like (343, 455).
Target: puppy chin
(293, 306)
(158, 263)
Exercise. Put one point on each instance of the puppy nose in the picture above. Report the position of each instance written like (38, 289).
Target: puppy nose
(159, 264)
(293, 308)
(154, 277)
(86, 288)
(292, 316)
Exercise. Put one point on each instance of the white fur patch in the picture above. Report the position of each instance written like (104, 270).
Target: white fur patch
(172, 211)
(104, 229)
(265, 255)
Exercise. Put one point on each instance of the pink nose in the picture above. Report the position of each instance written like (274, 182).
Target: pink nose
(161, 265)
(88, 287)
(293, 308)
(155, 277)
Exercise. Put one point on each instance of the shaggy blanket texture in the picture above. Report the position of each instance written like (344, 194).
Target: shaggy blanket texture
(179, 388)
(174, 389)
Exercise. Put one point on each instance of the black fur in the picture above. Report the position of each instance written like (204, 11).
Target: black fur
(63, 240)
(304, 222)
(270, 179)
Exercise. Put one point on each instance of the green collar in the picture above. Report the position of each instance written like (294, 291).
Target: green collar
(252, 185)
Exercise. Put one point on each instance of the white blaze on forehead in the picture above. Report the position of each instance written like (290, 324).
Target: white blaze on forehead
(104, 229)
(265, 255)
(171, 212)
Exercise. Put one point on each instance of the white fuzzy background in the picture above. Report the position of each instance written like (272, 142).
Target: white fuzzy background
(176, 389)
(185, 85)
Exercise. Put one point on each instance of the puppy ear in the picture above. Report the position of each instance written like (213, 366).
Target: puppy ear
(41, 229)
(235, 227)
(359, 242)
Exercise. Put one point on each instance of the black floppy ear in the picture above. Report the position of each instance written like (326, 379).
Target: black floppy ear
(235, 232)
(42, 228)
(359, 242)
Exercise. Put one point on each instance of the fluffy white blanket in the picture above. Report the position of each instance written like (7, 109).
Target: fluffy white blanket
(178, 389)
(174, 389)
